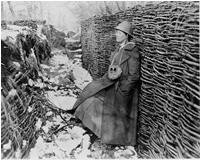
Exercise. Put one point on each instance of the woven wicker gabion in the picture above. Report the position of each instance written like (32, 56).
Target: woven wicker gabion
(98, 41)
(22, 104)
(167, 35)
(18, 125)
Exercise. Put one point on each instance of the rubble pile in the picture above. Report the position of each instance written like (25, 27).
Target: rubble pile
(63, 138)
(56, 37)
(167, 36)
(73, 44)
(66, 79)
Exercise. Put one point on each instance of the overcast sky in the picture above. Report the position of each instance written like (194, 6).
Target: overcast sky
(59, 13)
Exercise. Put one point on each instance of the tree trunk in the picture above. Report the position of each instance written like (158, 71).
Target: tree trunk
(11, 10)
(49, 17)
(123, 5)
(41, 11)
(29, 8)
(2, 11)
(34, 10)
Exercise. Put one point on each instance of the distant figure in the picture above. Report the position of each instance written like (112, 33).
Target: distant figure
(44, 29)
(109, 106)
(33, 63)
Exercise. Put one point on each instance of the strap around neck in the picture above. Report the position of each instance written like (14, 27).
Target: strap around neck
(116, 56)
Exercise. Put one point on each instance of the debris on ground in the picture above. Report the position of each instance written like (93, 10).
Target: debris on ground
(40, 94)
(63, 136)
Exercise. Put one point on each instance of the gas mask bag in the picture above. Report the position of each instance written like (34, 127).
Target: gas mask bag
(114, 71)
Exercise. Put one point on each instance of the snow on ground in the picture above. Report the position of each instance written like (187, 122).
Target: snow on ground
(63, 102)
(60, 136)
(82, 77)
(61, 72)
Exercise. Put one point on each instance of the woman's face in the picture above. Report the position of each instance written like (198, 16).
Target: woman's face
(120, 36)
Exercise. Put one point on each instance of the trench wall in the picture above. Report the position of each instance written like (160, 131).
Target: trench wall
(22, 103)
(167, 35)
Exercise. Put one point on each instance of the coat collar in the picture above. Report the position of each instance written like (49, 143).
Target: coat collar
(128, 46)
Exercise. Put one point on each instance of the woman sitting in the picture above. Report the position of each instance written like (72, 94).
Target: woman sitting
(108, 106)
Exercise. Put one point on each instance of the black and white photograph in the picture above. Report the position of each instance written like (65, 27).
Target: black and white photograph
(100, 80)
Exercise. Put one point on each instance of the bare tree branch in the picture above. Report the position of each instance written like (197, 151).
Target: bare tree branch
(101, 9)
(29, 8)
(41, 10)
(11, 10)
(34, 9)
(108, 9)
(118, 5)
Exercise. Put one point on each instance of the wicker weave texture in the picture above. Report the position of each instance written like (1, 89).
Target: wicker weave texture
(167, 35)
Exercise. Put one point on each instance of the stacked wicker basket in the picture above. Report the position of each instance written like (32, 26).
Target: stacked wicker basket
(167, 35)
(98, 41)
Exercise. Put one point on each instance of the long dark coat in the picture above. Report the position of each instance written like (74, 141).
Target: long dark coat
(120, 109)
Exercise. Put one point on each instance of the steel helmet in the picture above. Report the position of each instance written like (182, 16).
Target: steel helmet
(126, 27)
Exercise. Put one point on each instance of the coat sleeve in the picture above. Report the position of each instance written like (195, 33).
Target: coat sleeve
(133, 73)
